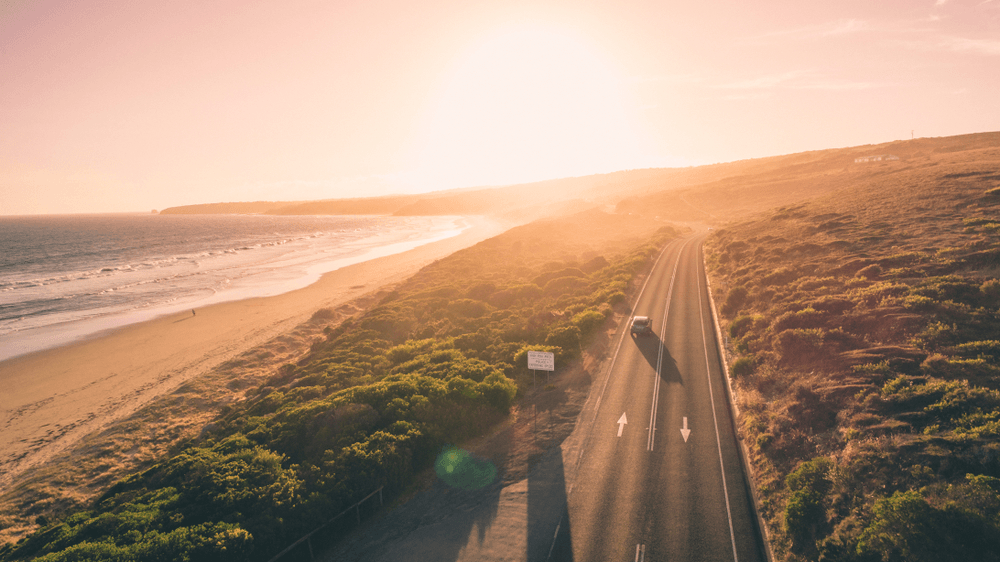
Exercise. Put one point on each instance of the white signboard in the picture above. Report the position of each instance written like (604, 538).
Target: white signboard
(542, 360)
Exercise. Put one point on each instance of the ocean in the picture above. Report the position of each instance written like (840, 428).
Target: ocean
(65, 277)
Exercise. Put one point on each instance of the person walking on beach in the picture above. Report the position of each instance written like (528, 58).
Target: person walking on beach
(193, 313)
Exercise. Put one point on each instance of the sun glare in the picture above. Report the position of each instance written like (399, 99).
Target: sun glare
(525, 104)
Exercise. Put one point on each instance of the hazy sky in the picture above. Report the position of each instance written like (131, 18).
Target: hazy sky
(129, 106)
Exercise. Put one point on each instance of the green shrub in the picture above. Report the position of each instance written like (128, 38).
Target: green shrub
(813, 283)
(906, 527)
(567, 339)
(469, 308)
(873, 295)
(812, 475)
(937, 335)
(873, 271)
(743, 367)
(803, 515)
(735, 300)
(595, 264)
(739, 326)
(991, 288)
(562, 285)
(779, 277)
(588, 321)
(481, 291)
(799, 345)
(986, 348)
(805, 318)
(804, 512)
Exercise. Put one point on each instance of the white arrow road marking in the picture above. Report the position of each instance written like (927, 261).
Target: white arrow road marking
(685, 432)
(621, 424)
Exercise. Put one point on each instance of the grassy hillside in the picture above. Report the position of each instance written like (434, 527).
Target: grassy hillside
(439, 360)
(713, 193)
(864, 329)
(725, 192)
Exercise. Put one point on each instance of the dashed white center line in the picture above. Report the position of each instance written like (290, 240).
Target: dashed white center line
(659, 356)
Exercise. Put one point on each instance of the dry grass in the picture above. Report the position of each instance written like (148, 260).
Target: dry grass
(734, 191)
(852, 309)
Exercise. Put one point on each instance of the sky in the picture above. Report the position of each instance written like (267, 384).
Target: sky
(123, 106)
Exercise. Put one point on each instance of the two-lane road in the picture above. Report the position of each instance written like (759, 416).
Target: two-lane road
(668, 484)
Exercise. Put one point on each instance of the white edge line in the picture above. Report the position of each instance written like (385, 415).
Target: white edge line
(715, 419)
(744, 455)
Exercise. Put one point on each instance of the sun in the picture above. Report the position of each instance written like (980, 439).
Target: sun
(528, 103)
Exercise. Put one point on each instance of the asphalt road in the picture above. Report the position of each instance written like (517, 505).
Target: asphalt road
(668, 484)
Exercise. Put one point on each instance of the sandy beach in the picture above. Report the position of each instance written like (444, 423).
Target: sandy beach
(52, 399)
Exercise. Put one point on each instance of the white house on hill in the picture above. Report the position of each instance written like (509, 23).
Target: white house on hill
(877, 158)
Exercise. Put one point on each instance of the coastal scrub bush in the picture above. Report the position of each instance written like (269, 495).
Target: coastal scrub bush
(989, 349)
(804, 511)
(991, 288)
(799, 345)
(735, 300)
(906, 527)
(740, 325)
(743, 367)
(588, 321)
(778, 277)
(567, 339)
(433, 363)
(563, 285)
(896, 379)
(873, 271)
(596, 263)
(873, 295)
(805, 318)
(616, 298)
(937, 335)
(469, 308)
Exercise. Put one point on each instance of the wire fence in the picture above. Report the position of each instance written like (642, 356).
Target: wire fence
(327, 534)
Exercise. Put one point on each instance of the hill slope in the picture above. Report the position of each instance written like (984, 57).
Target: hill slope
(864, 330)
(714, 193)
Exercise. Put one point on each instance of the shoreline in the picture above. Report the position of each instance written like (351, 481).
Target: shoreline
(19, 343)
(55, 397)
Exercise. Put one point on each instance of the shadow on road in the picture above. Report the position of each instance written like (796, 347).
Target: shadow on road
(514, 518)
(650, 347)
(548, 510)
(436, 524)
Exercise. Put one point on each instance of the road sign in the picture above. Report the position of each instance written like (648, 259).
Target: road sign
(541, 361)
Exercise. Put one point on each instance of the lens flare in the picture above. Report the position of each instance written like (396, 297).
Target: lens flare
(460, 469)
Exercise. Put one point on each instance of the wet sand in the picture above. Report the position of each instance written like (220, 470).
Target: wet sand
(51, 399)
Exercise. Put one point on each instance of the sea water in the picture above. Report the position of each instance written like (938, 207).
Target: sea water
(66, 277)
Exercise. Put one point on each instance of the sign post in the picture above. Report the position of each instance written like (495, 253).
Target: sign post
(541, 361)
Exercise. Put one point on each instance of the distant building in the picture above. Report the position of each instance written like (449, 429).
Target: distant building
(876, 158)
